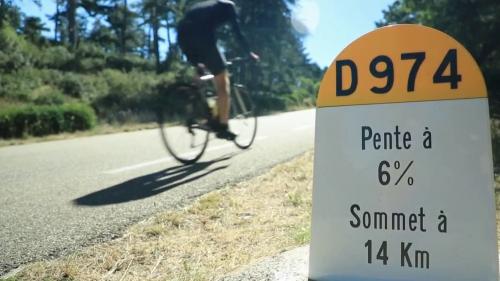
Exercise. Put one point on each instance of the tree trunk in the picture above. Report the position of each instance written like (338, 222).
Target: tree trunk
(56, 21)
(169, 40)
(72, 29)
(156, 38)
(2, 12)
(148, 43)
(123, 39)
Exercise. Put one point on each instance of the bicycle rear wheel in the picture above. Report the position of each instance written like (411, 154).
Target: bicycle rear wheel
(243, 118)
(183, 130)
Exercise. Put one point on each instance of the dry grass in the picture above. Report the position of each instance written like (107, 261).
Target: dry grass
(220, 232)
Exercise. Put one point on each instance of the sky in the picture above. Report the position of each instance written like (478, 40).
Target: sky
(334, 24)
(328, 25)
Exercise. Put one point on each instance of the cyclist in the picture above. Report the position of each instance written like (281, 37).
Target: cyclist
(196, 37)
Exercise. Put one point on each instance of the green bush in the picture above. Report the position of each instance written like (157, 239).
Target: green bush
(89, 50)
(127, 94)
(90, 65)
(71, 85)
(15, 88)
(15, 51)
(57, 57)
(48, 95)
(78, 117)
(45, 120)
(128, 63)
(11, 62)
(28, 84)
(303, 93)
(269, 103)
(93, 86)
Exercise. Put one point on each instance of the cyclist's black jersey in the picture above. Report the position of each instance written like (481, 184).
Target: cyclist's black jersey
(196, 33)
(207, 16)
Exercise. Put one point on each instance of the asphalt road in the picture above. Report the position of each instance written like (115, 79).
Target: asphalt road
(56, 197)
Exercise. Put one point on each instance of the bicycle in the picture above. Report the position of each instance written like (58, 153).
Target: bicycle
(195, 106)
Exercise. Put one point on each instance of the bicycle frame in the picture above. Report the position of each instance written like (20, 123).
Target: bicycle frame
(197, 122)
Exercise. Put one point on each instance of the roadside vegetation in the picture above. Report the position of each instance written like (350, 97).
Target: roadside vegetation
(109, 61)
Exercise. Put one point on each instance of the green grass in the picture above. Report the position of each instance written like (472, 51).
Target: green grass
(302, 235)
(9, 279)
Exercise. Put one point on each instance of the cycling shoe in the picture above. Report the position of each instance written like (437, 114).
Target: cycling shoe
(225, 134)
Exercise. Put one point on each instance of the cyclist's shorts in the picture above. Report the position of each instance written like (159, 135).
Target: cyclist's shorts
(200, 46)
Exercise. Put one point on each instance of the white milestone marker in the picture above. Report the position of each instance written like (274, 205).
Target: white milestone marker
(403, 177)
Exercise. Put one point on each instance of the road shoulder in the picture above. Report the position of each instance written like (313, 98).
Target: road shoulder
(288, 266)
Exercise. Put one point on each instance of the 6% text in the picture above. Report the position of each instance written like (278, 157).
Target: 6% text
(386, 170)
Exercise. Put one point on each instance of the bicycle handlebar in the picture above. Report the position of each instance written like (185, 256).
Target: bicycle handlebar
(240, 60)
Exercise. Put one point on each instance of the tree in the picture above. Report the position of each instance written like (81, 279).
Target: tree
(71, 6)
(174, 12)
(473, 23)
(123, 23)
(103, 36)
(267, 26)
(69, 24)
(32, 28)
(10, 14)
(161, 16)
(153, 12)
(57, 18)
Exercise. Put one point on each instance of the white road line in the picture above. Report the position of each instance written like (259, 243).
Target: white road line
(138, 166)
(161, 160)
(168, 159)
(302, 128)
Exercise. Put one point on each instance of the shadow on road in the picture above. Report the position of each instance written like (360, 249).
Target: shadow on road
(152, 184)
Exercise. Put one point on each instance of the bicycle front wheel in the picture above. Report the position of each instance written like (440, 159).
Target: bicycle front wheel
(243, 118)
(185, 143)
(184, 133)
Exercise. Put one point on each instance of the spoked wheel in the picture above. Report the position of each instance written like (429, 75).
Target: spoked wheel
(184, 132)
(243, 119)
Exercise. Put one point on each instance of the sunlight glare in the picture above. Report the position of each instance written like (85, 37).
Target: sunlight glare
(305, 16)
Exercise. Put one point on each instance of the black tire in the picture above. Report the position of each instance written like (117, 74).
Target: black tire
(181, 118)
(243, 118)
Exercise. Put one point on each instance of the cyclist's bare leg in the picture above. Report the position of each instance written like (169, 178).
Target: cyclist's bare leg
(223, 95)
(222, 87)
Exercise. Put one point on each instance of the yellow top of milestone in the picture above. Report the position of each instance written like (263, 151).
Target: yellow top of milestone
(401, 63)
